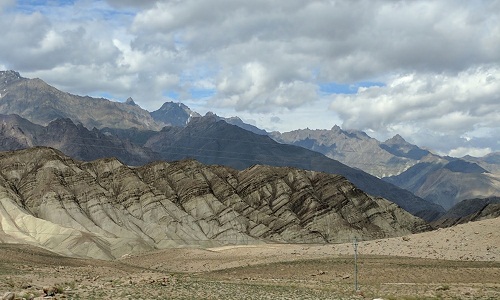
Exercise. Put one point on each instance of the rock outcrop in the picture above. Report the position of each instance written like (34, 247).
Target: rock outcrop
(104, 209)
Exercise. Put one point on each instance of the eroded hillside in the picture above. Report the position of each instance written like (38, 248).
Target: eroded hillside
(104, 209)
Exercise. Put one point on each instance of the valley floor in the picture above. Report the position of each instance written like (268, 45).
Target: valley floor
(462, 262)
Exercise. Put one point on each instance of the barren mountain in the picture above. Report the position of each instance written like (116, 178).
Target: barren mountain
(441, 180)
(174, 114)
(41, 103)
(205, 139)
(73, 140)
(216, 142)
(490, 162)
(448, 182)
(356, 149)
(104, 209)
(470, 210)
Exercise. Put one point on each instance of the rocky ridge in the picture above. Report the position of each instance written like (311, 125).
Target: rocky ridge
(356, 149)
(41, 103)
(72, 139)
(447, 182)
(104, 209)
(206, 139)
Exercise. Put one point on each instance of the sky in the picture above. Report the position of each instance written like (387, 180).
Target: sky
(427, 70)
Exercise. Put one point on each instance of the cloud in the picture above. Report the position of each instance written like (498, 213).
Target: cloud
(463, 151)
(6, 3)
(444, 107)
(435, 63)
(132, 3)
(448, 102)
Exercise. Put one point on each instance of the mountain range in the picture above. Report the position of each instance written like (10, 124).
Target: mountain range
(90, 128)
(439, 179)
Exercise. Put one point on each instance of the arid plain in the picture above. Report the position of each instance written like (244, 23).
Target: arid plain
(460, 262)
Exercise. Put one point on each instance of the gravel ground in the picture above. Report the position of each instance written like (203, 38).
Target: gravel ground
(461, 262)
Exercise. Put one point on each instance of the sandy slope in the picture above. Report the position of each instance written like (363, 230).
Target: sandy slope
(275, 271)
(475, 241)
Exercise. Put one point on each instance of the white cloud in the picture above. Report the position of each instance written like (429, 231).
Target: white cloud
(427, 107)
(6, 3)
(446, 102)
(439, 60)
(463, 151)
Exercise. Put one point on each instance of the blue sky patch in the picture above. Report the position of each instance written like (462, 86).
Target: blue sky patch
(341, 88)
(201, 93)
(171, 95)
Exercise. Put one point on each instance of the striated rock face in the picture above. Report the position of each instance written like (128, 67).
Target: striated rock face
(212, 141)
(104, 209)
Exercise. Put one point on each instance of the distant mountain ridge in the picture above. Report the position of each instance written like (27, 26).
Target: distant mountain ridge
(470, 210)
(356, 149)
(133, 135)
(448, 181)
(41, 103)
(74, 140)
(441, 180)
(210, 141)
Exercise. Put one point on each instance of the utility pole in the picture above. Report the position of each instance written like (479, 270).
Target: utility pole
(355, 244)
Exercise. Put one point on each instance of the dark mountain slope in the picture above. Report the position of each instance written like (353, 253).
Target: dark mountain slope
(470, 210)
(448, 182)
(73, 140)
(216, 142)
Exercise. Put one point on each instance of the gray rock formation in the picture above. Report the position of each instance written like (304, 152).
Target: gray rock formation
(205, 139)
(73, 140)
(448, 182)
(41, 103)
(470, 210)
(174, 114)
(212, 141)
(104, 209)
(356, 149)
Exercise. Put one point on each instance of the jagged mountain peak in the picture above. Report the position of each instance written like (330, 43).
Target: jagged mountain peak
(174, 114)
(130, 101)
(336, 128)
(396, 140)
(8, 76)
